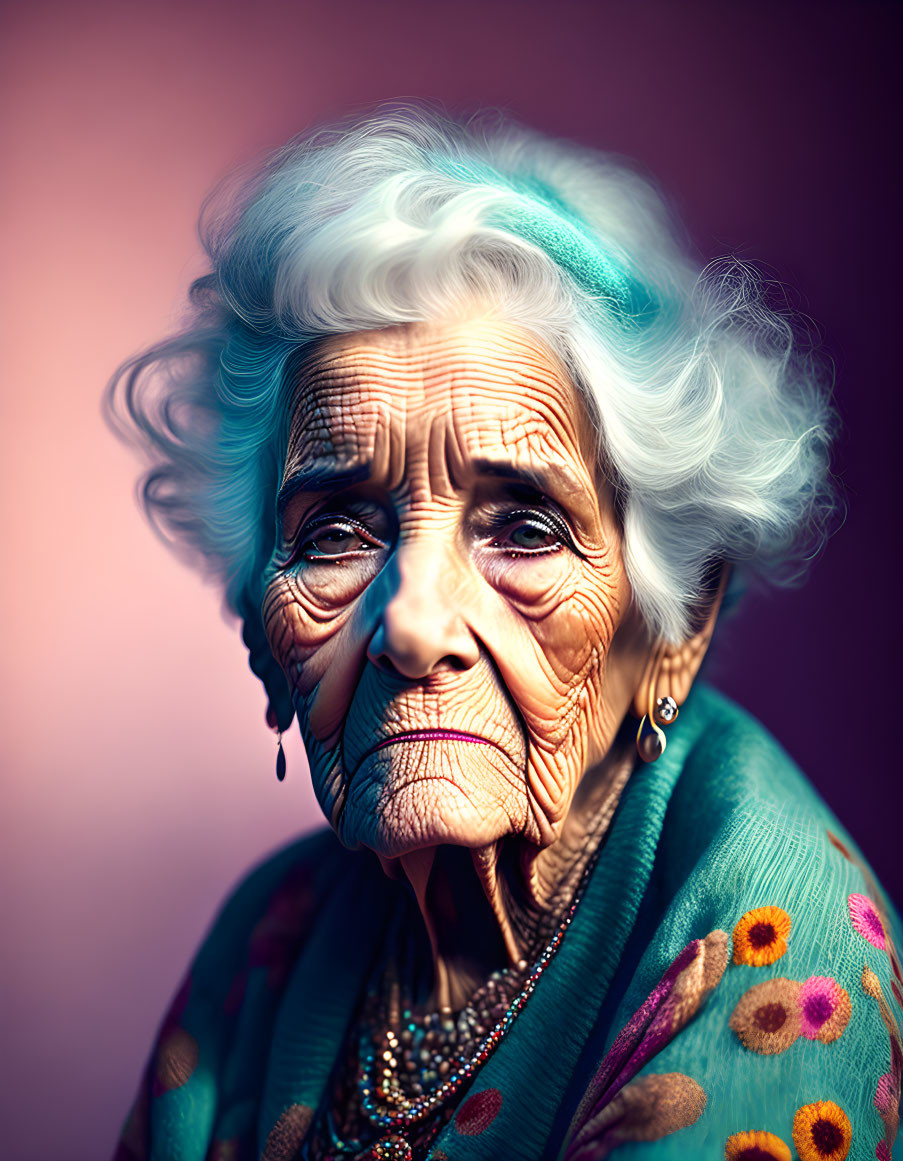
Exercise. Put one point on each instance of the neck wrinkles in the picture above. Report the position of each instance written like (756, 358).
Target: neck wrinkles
(493, 908)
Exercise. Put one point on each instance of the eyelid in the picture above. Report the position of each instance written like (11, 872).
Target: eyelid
(328, 506)
(332, 518)
(334, 510)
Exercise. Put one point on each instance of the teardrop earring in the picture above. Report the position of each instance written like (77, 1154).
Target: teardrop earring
(650, 737)
(280, 760)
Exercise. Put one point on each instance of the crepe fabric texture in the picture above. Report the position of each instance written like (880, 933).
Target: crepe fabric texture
(729, 986)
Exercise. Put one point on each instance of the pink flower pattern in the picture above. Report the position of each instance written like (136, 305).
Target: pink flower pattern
(884, 1093)
(824, 1009)
(866, 920)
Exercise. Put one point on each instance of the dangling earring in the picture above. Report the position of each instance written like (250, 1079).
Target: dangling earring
(650, 737)
(280, 759)
(273, 723)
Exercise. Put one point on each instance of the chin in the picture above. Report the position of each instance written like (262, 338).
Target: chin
(399, 803)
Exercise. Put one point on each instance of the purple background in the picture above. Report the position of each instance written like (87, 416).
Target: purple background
(137, 772)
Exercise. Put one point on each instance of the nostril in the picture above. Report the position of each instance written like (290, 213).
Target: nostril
(381, 659)
(416, 668)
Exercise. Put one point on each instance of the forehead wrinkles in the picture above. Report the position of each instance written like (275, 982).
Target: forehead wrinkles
(407, 397)
(340, 406)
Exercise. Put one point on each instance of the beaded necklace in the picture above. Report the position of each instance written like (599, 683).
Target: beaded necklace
(383, 1101)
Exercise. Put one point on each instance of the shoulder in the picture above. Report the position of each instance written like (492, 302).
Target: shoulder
(748, 846)
(234, 982)
(733, 763)
(743, 817)
(800, 1034)
(262, 923)
(258, 932)
(267, 914)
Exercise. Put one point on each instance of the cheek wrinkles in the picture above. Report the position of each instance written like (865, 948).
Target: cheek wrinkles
(534, 587)
(569, 626)
(299, 633)
(289, 590)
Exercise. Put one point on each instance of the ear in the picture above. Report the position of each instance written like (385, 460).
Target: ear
(280, 711)
(671, 669)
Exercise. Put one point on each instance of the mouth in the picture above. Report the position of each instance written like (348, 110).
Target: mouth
(433, 736)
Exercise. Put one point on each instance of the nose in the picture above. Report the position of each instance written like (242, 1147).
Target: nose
(421, 628)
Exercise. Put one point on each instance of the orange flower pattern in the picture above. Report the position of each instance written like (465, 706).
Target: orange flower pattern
(821, 1132)
(760, 937)
(755, 1145)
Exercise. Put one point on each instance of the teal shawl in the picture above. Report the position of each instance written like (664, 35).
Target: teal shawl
(728, 987)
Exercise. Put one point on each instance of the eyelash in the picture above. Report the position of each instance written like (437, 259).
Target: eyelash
(548, 521)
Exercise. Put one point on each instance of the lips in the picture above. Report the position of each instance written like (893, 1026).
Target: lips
(432, 736)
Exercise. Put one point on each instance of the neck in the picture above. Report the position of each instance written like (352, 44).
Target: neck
(489, 908)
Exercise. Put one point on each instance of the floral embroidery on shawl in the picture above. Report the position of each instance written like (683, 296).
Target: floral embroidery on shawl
(646, 1109)
(599, 1122)
(755, 1145)
(887, 1092)
(822, 1132)
(887, 1102)
(866, 920)
(825, 1009)
(767, 1018)
(287, 1134)
(771, 1016)
(478, 1112)
(176, 1059)
(760, 936)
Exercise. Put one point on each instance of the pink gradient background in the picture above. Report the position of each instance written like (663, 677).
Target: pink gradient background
(138, 774)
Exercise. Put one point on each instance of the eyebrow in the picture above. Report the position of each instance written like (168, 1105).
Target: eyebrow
(319, 476)
(546, 480)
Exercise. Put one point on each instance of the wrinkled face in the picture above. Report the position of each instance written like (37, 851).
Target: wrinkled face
(446, 587)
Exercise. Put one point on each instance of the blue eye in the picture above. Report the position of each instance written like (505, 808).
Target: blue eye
(527, 532)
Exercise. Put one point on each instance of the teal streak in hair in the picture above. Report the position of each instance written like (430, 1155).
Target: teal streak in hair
(253, 395)
(539, 216)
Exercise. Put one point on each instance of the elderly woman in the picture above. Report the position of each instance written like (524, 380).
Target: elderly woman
(476, 454)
